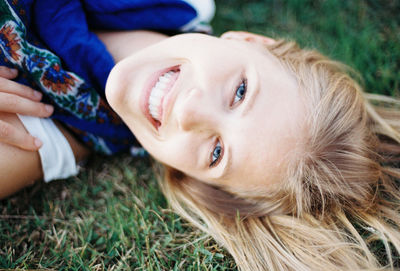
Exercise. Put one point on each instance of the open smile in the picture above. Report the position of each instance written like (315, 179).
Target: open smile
(156, 95)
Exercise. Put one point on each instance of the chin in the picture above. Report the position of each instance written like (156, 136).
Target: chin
(113, 88)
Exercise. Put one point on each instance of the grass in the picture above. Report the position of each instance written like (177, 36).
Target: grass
(113, 216)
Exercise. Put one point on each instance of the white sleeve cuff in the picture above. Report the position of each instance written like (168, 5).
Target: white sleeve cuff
(56, 156)
(205, 12)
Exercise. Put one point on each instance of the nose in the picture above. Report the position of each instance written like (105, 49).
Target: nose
(197, 112)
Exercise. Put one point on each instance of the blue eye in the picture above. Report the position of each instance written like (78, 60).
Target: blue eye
(216, 154)
(240, 92)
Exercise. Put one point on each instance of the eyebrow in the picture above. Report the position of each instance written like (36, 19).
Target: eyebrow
(228, 163)
(252, 98)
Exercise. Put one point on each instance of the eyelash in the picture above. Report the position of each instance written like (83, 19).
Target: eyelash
(218, 151)
(243, 85)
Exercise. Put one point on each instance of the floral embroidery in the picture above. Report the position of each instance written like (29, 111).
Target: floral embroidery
(107, 115)
(35, 62)
(77, 104)
(9, 40)
(59, 81)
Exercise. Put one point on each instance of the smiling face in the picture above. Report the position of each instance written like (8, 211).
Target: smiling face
(223, 111)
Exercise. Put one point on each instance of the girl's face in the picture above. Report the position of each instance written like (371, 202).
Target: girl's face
(221, 110)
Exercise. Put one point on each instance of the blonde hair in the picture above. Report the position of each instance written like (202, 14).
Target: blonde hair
(337, 199)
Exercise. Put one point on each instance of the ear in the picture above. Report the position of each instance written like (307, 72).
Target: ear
(249, 37)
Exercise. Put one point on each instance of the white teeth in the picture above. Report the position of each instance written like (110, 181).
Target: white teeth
(162, 84)
(163, 80)
(157, 94)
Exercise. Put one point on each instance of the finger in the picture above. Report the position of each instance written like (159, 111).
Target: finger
(11, 103)
(12, 87)
(10, 135)
(247, 36)
(8, 72)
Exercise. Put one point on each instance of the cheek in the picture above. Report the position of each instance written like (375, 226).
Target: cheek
(179, 154)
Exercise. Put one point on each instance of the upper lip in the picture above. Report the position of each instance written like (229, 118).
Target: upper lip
(169, 99)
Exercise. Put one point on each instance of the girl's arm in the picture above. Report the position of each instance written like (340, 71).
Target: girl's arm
(16, 98)
(121, 44)
(21, 168)
(20, 164)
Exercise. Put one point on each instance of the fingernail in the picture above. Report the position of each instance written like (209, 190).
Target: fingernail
(13, 71)
(37, 94)
(49, 108)
(38, 142)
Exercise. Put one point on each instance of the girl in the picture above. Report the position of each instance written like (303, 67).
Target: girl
(273, 150)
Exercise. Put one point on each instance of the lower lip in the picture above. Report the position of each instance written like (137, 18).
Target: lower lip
(144, 101)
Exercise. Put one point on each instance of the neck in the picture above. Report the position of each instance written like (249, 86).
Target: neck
(125, 43)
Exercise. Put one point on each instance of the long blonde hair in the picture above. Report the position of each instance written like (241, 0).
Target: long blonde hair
(338, 198)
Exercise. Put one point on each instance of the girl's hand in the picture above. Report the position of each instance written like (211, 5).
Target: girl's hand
(19, 99)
